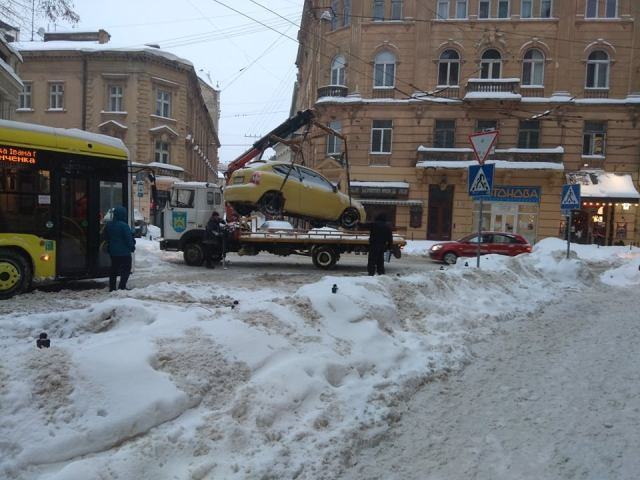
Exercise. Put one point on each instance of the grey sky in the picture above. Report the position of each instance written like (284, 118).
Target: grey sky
(252, 65)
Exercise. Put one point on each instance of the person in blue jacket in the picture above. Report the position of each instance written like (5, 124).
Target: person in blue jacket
(120, 243)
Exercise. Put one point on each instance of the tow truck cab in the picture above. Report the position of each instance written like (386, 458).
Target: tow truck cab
(187, 212)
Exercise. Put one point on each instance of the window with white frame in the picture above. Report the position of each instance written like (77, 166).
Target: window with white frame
(116, 98)
(56, 96)
(334, 143)
(598, 70)
(346, 12)
(545, 8)
(486, 126)
(334, 14)
(449, 68)
(491, 64)
(443, 9)
(25, 100)
(377, 13)
(162, 152)
(533, 68)
(594, 138)
(529, 134)
(503, 8)
(384, 70)
(461, 8)
(381, 136)
(526, 9)
(444, 134)
(338, 70)
(163, 103)
(484, 8)
(602, 9)
(396, 9)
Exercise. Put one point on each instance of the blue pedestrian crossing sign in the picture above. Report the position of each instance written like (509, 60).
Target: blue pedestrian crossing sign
(570, 197)
(480, 180)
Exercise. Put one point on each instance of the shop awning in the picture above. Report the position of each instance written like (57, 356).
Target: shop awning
(379, 189)
(600, 185)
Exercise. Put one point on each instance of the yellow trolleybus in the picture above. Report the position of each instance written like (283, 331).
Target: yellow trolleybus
(56, 185)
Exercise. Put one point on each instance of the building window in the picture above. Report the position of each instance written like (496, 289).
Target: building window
(443, 9)
(334, 14)
(116, 96)
(384, 70)
(396, 9)
(533, 68)
(598, 70)
(444, 134)
(461, 9)
(381, 136)
(486, 126)
(162, 152)
(56, 96)
(334, 143)
(163, 103)
(415, 216)
(491, 64)
(545, 8)
(346, 13)
(610, 8)
(484, 8)
(449, 68)
(526, 9)
(503, 8)
(529, 134)
(338, 70)
(378, 10)
(594, 140)
(25, 98)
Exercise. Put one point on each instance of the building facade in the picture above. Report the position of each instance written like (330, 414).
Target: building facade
(151, 99)
(407, 82)
(10, 83)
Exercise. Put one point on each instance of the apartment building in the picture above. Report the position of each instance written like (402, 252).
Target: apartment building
(407, 82)
(10, 83)
(151, 99)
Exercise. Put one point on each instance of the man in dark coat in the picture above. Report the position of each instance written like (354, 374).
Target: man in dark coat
(380, 240)
(213, 238)
(121, 243)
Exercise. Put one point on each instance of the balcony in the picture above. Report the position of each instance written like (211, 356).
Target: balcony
(493, 89)
(596, 93)
(333, 91)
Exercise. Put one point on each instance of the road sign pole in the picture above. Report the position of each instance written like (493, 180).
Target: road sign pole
(479, 234)
(569, 221)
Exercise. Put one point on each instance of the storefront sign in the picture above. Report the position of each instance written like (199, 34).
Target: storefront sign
(508, 193)
(17, 155)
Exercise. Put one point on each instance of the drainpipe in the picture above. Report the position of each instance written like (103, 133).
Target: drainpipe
(84, 92)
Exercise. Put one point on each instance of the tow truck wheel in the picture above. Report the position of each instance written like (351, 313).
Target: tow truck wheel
(349, 218)
(15, 274)
(324, 257)
(271, 203)
(193, 254)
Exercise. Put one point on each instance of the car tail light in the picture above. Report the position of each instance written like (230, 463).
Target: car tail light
(255, 178)
(527, 248)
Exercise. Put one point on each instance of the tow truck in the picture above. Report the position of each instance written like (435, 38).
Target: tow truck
(191, 205)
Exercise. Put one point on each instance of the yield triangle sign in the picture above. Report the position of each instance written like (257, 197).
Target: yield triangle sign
(482, 143)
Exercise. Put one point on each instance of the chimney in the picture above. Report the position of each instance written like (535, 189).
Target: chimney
(101, 36)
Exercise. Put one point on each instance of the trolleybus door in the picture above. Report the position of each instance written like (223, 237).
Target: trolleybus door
(73, 243)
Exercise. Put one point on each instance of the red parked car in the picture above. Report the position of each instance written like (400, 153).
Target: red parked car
(490, 242)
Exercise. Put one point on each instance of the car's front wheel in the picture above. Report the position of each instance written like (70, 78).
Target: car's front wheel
(271, 203)
(350, 218)
(450, 258)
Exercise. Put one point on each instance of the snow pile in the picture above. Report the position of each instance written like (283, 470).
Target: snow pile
(198, 380)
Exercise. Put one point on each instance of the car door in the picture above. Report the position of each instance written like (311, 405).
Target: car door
(319, 198)
(289, 183)
(500, 244)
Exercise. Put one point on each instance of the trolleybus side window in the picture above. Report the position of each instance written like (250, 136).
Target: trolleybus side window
(25, 200)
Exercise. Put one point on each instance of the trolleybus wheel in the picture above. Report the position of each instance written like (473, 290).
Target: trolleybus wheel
(15, 274)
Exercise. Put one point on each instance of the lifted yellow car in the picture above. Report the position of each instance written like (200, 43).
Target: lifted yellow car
(277, 188)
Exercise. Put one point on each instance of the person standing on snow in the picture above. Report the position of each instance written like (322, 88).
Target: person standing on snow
(213, 237)
(380, 240)
(120, 244)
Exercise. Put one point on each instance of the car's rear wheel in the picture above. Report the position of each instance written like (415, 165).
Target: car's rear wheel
(271, 203)
(450, 258)
(193, 254)
(15, 274)
(324, 257)
(349, 218)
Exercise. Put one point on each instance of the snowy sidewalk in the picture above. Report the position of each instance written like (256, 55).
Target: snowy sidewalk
(555, 397)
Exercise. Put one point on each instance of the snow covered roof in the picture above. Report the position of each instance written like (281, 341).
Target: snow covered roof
(422, 148)
(502, 164)
(91, 47)
(530, 150)
(492, 96)
(415, 97)
(11, 72)
(379, 184)
(631, 99)
(166, 166)
(600, 184)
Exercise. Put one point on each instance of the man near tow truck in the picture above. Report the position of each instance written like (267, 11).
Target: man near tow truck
(380, 240)
(213, 238)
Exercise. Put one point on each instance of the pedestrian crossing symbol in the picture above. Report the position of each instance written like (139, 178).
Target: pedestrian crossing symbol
(480, 180)
(570, 197)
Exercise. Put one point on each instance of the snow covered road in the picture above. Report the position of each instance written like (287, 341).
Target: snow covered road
(553, 398)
